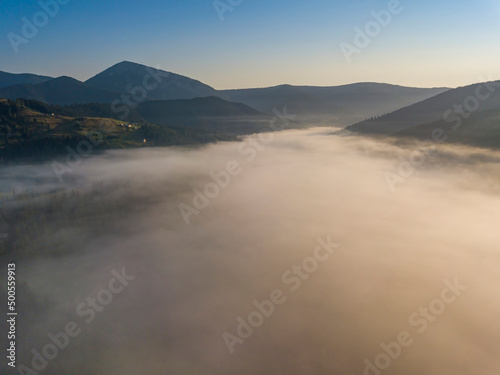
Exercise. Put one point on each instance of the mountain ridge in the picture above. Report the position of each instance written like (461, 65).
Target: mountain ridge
(431, 109)
(61, 90)
(319, 105)
(341, 104)
(13, 79)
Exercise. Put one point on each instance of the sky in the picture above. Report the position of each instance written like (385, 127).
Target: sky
(256, 43)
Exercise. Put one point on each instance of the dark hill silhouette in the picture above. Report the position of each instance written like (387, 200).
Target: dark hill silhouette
(205, 113)
(10, 79)
(62, 90)
(125, 76)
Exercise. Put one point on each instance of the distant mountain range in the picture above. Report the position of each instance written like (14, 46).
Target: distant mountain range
(341, 105)
(154, 96)
(337, 106)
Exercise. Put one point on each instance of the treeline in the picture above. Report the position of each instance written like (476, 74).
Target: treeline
(94, 110)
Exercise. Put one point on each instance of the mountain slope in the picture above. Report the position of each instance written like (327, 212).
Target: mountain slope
(29, 130)
(62, 90)
(434, 109)
(11, 79)
(211, 113)
(125, 76)
(480, 129)
(341, 104)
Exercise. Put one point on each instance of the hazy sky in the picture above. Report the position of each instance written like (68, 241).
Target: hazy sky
(260, 43)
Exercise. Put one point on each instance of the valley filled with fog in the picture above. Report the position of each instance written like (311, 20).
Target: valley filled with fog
(206, 234)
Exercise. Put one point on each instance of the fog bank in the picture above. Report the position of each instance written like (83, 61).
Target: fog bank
(398, 251)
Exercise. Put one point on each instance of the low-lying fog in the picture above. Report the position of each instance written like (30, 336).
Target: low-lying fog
(417, 263)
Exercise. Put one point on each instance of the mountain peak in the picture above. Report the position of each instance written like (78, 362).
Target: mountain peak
(128, 65)
(65, 79)
(126, 76)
